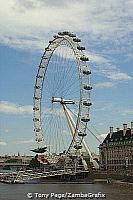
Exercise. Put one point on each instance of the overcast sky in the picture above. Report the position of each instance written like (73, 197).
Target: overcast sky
(26, 26)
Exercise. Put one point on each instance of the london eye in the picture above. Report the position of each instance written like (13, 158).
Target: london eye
(62, 99)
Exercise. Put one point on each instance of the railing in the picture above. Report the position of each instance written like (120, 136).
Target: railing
(14, 164)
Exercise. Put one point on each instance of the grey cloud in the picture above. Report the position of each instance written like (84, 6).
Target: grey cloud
(29, 4)
(26, 4)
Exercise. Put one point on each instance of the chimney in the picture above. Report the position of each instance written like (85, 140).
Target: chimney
(131, 128)
(124, 129)
(117, 129)
(111, 131)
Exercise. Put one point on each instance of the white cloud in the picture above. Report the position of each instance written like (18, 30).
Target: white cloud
(24, 141)
(29, 24)
(119, 76)
(26, 24)
(127, 112)
(97, 58)
(7, 130)
(102, 136)
(105, 85)
(103, 106)
(66, 132)
(101, 124)
(3, 143)
(55, 112)
(12, 108)
(105, 67)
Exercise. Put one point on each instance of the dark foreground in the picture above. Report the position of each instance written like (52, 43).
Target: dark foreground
(55, 191)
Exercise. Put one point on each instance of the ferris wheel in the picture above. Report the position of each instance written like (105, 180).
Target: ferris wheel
(62, 97)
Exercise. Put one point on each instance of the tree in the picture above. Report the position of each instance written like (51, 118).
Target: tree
(34, 163)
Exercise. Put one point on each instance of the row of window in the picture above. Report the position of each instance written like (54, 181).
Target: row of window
(119, 167)
(120, 143)
(121, 162)
(120, 155)
(112, 148)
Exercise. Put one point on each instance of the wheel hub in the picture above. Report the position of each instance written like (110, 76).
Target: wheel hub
(62, 100)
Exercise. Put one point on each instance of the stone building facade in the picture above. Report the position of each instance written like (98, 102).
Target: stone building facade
(116, 151)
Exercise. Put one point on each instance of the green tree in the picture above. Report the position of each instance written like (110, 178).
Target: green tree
(34, 163)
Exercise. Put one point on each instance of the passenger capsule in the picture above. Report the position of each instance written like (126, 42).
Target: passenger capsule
(87, 87)
(85, 118)
(35, 108)
(80, 48)
(71, 35)
(76, 40)
(36, 119)
(45, 58)
(66, 33)
(78, 146)
(87, 103)
(37, 130)
(37, 98)
(41, 66)
(61, 33)
(86, 71)
(37, 87)
(82, 134)
(39, 76)
(83, 58)
(48, 49)
(50, 42)
(55, 36)
(39, 139)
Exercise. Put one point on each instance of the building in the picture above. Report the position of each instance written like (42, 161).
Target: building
(14, 162)
(116, 151)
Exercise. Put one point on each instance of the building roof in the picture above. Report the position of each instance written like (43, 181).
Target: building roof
(118, 136)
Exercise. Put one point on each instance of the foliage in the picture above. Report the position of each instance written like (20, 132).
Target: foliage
(34, 163)
(12, 160)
